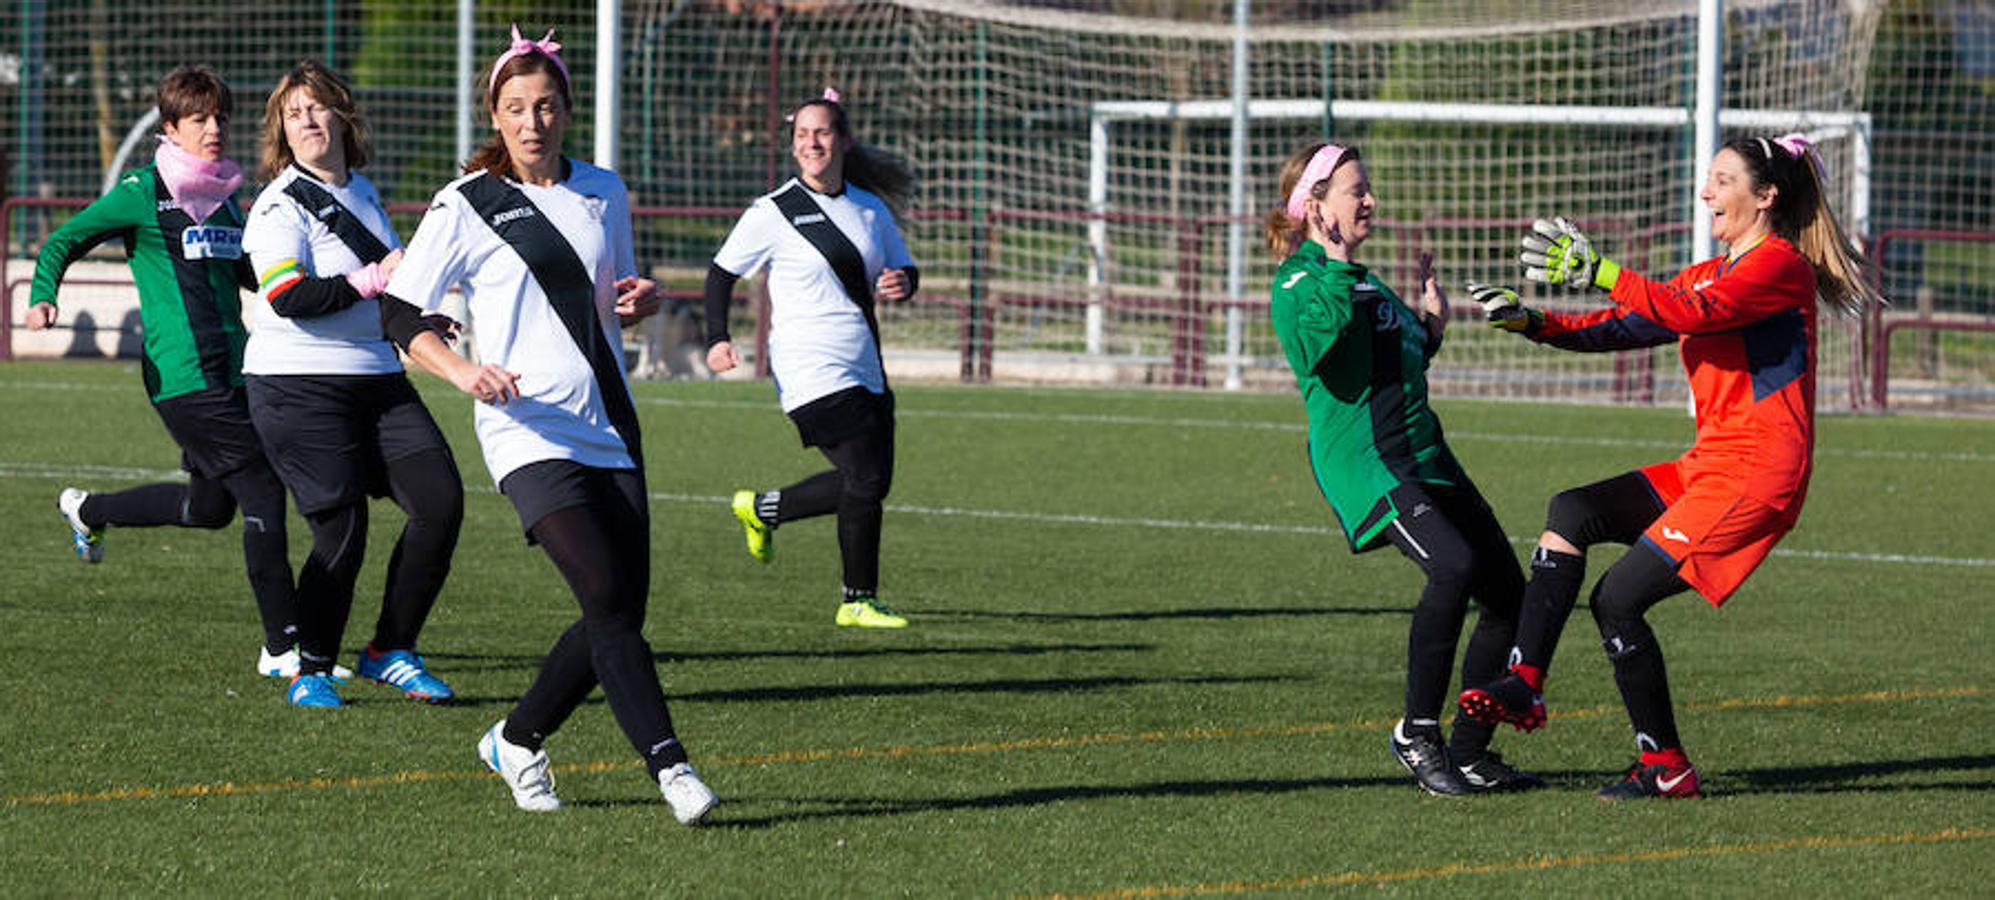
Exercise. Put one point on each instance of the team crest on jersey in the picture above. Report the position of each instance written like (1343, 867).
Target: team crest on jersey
(595, 206)
(211, 242)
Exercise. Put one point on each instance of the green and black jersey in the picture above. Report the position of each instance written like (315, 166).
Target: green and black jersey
(188, 274)
(1360, 357)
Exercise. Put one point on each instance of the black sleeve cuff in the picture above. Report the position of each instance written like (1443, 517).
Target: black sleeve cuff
(315, 297)
(401, 321)
(718, 297)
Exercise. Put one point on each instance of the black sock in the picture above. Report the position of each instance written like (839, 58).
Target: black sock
(1469, 740)
(532, 740)
(1548, 601)
(664, 755)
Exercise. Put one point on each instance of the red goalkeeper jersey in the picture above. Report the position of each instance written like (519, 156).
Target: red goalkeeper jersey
(1746, 330)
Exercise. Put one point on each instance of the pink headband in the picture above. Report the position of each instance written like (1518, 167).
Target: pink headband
(1320, 166)
(546, 46)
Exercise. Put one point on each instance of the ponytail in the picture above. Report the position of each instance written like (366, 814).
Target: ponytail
(1801, 214)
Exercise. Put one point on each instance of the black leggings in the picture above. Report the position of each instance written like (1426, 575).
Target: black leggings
(1453, 536)
(856, 489)
(603, 549)
(1615, 510)
(211, 503)
(427, 488)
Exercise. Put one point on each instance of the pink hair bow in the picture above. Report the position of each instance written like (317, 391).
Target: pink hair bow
(1796, 144)
(546, 46)
(829, 96)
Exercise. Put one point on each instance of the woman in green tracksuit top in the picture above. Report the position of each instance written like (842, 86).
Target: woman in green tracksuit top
(182, 232)
(1360, 358)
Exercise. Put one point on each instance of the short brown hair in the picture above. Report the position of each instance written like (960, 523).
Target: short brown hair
(328, 88)
(192, 89)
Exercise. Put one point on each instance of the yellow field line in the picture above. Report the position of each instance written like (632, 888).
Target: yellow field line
(229, 789)
(1545, 863)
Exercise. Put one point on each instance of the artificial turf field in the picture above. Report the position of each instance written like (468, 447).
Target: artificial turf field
(1142, 662)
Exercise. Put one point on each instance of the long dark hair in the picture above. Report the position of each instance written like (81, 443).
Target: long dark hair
(492, 156)
(882, 173)
(1801, 214)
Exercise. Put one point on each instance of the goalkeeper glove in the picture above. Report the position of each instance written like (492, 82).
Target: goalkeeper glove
(1504, 310)
(1557, 252)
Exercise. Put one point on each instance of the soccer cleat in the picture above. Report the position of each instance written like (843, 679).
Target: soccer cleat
(761, 535)
(524, 771)
(316, 690)
(1659, 780)
(285, 665)
(868, 613)
(689, 797)
(1506, 700)
(1426, 758)
(403, 669)
(88, 542)
(1490, 774)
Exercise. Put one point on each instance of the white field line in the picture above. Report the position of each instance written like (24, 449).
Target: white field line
(86, 472)
(1092, 419)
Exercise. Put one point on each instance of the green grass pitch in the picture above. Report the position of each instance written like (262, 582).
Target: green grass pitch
(1142, 662)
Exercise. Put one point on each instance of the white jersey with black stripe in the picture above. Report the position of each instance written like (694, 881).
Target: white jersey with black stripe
(285, 241)
(819, 343)
(560, 413)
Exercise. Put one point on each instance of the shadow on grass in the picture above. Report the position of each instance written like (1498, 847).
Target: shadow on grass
(1845, 777)
(492, 662)
(806, 693)
(1146, 615)
(996, 686)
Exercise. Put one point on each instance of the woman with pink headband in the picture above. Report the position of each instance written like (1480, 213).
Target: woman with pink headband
(541, 246)
(1745, 325)
(1360, 358)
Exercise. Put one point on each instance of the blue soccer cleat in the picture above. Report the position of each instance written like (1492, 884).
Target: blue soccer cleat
(88, 542)
(403, 669)
(316, 690)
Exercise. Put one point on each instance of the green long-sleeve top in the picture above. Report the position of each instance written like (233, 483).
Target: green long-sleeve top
(1360, 358)
(188, 274)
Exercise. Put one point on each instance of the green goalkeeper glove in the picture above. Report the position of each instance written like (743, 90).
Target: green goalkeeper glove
(1504, 310)
(1557, 252)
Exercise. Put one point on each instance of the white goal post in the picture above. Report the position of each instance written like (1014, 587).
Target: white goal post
(1817, 124)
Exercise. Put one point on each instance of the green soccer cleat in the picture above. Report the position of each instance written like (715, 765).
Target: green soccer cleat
(761, 535)
(868, 613)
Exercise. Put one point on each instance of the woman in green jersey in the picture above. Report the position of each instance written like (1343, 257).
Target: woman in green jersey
(1360, 358)
(182, 232)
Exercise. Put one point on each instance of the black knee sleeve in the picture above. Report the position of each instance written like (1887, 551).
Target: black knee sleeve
(210, 504)
(1615, 510)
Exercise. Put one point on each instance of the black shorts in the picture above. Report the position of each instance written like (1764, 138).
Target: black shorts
(213, 430)
(551, 485)
(836, 418)
(331, 437)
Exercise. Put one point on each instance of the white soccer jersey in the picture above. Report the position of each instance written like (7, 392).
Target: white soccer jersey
(818, 340)
(282, 238)
(560, 412)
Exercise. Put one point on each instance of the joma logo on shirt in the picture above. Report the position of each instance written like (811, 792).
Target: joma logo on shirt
(512, 215)
(811, 219)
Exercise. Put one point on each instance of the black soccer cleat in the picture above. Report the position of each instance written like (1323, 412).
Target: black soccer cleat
(1426, 758)
(1507, 700)
(1489, 774)
(1658, 781)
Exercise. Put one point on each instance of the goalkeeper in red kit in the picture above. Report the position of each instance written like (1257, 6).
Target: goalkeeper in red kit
(1745, 323)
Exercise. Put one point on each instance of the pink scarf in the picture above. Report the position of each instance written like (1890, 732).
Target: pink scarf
(199, 186)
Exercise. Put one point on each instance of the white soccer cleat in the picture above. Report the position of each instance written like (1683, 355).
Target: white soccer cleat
(88, 542)
(285, 665)
(689, 797)
(524, 771)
